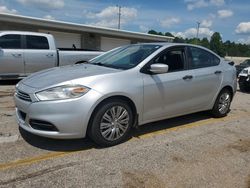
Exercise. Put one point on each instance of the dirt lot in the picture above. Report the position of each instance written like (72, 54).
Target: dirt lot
(236, 60)
(189, 151)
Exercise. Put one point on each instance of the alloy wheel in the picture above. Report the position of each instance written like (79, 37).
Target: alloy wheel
(224, 103)
(114, 123)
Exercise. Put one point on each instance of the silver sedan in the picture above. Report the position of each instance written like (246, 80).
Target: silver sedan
(128, 86)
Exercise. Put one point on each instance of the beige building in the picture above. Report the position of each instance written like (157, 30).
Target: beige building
(82, 36)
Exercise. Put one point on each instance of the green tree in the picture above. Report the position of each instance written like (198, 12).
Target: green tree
(179, 40)
(193, 41)
(168, 34)
(152, 32)
(205, 43)
(227, 48)
(216, 44)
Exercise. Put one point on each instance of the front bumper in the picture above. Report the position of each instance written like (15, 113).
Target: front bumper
(56, 119)
(244, 80)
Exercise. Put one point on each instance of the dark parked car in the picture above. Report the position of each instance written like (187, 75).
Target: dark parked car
(242, 65)
(244, 80)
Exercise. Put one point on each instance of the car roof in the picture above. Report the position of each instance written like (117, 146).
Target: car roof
(170, 44)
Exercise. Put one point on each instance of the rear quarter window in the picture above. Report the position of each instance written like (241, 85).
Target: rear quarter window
(200, 58)
(37, 42)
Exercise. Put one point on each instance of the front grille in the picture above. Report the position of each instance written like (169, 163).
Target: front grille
(23, 96)
(42, 125)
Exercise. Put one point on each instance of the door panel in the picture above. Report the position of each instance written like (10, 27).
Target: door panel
(167, 95)
(11, 55)
(207, 76)
(11, 62)
(36, 60)
(38, 55)
(205, 83)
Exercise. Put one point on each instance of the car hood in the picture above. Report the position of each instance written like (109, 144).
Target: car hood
(54, 76)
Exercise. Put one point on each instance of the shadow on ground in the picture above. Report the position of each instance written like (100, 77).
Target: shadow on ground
(86, 143)
(57, 144)
(170, 123)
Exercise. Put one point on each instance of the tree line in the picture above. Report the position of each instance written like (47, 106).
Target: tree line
(215, 44)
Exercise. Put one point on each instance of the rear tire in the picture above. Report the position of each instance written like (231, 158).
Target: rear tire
(222, 104)
(111, 123)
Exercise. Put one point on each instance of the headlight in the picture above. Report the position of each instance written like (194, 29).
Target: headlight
(62, 92)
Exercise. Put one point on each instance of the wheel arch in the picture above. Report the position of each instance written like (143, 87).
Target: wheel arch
(229, 88)
(215, 110)
(116, 97)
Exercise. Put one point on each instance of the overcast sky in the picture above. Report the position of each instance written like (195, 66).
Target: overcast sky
(229, 17)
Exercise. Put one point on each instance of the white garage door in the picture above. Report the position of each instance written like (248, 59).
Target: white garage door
(65, 40)
(110, 43)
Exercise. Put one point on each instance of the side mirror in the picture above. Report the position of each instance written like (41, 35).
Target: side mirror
(231, 63)
(158, 68)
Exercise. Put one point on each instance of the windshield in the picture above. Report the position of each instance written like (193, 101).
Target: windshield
(246, 62)
(125, 57)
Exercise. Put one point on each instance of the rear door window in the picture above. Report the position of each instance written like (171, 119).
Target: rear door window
(200, 58)
(37, 42)
(10, 41)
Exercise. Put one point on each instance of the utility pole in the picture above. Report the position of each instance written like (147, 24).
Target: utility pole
(197, 34)
(119, 16)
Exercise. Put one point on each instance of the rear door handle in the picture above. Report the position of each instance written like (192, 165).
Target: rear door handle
(50, 55)
(187, 77)
(17, 55)
(217, 72)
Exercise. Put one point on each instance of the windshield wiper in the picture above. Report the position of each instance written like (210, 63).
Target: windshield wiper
(99, 63)
(106, 65)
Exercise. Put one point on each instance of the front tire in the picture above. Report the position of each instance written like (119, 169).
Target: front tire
(111, 123)
(222, 104)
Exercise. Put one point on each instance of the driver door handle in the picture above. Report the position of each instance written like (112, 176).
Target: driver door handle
(187, 77)
(49, 55)
(17, 55)
(217, 72)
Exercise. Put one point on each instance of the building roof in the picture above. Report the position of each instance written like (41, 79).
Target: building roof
(80, 27)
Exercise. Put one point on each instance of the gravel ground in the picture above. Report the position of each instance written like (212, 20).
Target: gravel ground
(189, 151)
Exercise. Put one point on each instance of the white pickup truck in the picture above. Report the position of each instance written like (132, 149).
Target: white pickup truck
(22, 53)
